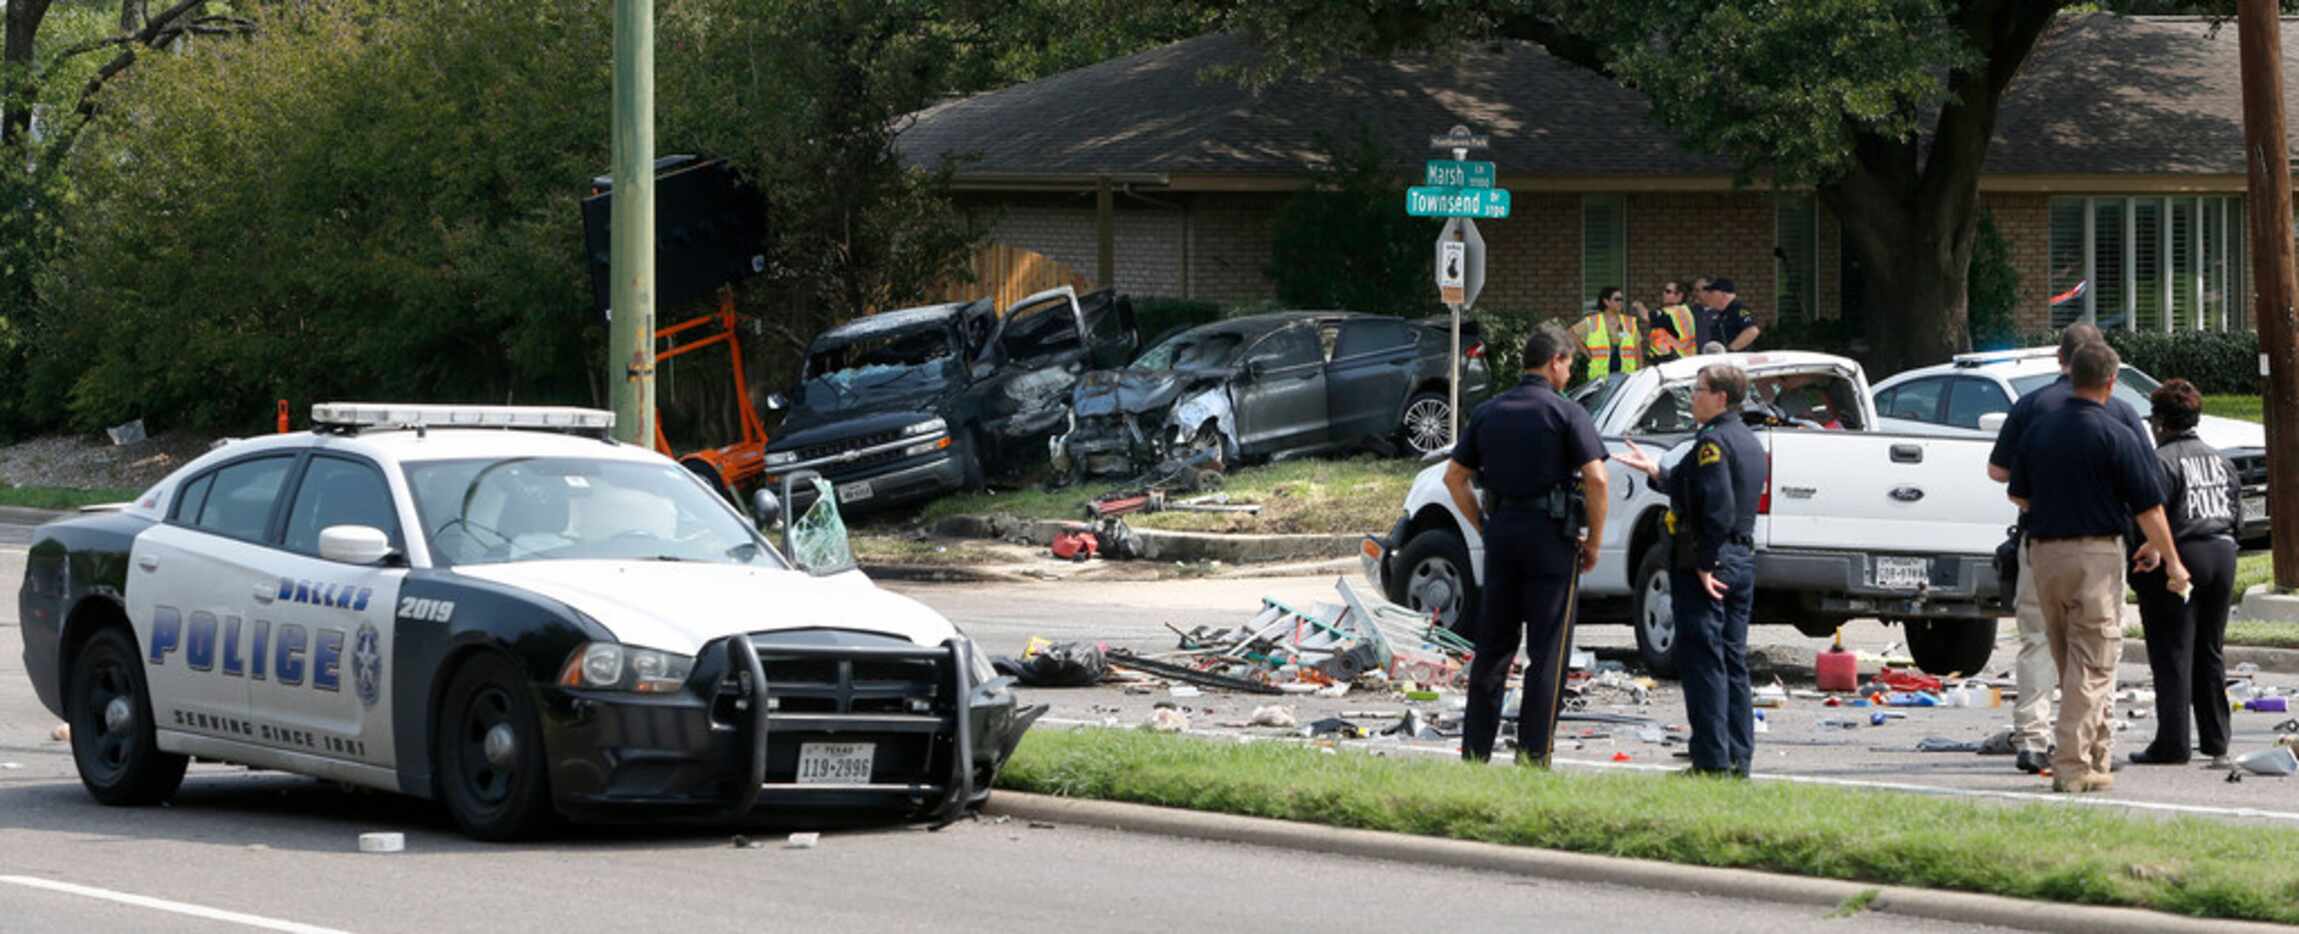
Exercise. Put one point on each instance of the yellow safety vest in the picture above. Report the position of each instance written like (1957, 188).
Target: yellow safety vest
(1600, 342)
(1682, 343)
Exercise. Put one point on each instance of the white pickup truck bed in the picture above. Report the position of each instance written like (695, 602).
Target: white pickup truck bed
(1854, 524)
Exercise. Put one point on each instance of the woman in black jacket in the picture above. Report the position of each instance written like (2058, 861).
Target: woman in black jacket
(2203, 500)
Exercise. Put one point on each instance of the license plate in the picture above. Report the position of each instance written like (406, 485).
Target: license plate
(2254, 508)
(1903, 573)
(851, 492)
(835, 763)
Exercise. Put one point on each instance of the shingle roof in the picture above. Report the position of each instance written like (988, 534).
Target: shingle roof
(2118, 95)
(2103, 94)
(1153, 113)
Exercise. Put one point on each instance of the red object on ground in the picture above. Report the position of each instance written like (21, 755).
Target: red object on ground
(1907, 681)
(1620, 757)
(1838, 670)
(1076, 545)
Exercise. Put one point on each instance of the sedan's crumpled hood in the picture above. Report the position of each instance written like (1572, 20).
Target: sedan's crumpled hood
(1134, 392)
(678, 606)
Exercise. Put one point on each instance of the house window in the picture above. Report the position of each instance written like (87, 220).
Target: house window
(1796, 256)
(1604, 246)
(2148, 264)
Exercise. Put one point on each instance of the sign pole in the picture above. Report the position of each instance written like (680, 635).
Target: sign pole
(631, 265)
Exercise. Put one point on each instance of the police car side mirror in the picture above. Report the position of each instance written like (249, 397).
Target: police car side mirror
(1993, 422)
(766, 509)
(354, 544)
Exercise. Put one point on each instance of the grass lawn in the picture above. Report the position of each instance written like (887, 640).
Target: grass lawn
(1361, 494)
(890, 549)
(2089, 855)
(59, 497)
(2247, 408)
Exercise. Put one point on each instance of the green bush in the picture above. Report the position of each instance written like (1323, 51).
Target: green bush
(1992, 289)
(1157, 316)
(2216, 363)
(1342, 242)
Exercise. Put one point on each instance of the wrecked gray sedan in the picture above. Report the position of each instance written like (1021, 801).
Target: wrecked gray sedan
(1269, 385)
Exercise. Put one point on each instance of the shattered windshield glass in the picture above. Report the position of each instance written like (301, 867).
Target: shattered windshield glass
(1191, 350)
(846, 373)
(818, 539)
(487, 511)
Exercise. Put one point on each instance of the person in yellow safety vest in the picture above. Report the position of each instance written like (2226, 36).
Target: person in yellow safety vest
(1613, 338)
(1672, 329)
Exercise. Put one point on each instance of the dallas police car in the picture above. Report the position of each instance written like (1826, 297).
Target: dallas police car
(501, 609)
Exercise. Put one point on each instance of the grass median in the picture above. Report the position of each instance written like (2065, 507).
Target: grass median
(2247, 408)
(1306, 496)
(61, 497)
(2069, 854)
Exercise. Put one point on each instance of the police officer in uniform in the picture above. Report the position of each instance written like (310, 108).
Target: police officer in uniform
(1526, 448)
(1712, 498)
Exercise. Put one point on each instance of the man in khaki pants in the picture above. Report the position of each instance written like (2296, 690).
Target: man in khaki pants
(2081, 477)
(2035, 673)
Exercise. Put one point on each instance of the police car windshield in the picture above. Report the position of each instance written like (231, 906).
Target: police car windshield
(488, 511)
(2132, 386)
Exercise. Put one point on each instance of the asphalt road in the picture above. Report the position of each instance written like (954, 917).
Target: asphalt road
(240, 850)
(1797, 747)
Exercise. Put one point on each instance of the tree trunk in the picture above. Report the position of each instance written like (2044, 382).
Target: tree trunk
(1917, 255)
(23, 25)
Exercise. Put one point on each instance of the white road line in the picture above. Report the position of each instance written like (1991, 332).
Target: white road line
(161, 904)
(1909, 787)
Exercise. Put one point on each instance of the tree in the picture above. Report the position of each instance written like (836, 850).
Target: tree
(1885, 107)
(1341, 243)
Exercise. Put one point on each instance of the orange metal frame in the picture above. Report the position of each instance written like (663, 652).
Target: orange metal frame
(738, 463)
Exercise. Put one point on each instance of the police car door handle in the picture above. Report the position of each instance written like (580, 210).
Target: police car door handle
(148, 562)
(1907, 454)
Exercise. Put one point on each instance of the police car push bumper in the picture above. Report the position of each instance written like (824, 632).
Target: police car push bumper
(857, 723)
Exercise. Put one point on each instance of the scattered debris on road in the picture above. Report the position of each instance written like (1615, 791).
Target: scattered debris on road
(382, 842)
(61, 734)
(803, 841)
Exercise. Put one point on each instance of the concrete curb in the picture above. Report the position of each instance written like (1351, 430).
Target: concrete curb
(25, 515)
(942, 573)
(1957, 907)
(1165, 546)
(2273, 661)
(2261, 602)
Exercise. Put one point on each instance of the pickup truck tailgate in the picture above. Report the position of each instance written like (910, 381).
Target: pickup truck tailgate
(1892, 493)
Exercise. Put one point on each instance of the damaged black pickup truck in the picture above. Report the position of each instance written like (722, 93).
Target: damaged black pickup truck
(907, 405)
(1271, 384)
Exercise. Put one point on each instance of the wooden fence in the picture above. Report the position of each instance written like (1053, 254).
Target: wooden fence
(1007, 274)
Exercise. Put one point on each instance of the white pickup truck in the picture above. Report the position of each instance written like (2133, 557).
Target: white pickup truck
(1853, 523)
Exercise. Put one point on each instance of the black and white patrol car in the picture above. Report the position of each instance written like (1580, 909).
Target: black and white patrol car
(498, 608)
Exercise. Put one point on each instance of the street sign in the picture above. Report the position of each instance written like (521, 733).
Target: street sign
(1460, 262)
(1459, 137)
(1454, 173)
(1451, 256)
(1436, 201)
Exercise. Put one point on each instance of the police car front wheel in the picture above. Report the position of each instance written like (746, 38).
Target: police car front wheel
(490, 753)
(113, 741)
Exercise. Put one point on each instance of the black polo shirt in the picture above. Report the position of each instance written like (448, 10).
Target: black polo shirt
(2050, 399)
(1721, 325)
(2083, 473)
(1527, 441)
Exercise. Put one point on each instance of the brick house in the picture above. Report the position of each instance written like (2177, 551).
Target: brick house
(2117, 161)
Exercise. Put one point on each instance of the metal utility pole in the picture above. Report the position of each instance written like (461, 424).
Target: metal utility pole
(631, 325)
(2267, 161)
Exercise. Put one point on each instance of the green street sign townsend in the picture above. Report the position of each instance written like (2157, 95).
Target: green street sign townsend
(1453, 173)
(1438, 201)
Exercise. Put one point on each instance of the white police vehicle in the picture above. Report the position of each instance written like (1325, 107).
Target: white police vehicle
(1952, 399)
(501, 609)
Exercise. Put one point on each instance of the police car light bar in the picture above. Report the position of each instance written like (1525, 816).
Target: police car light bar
(537, 417)
(1984, 358)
